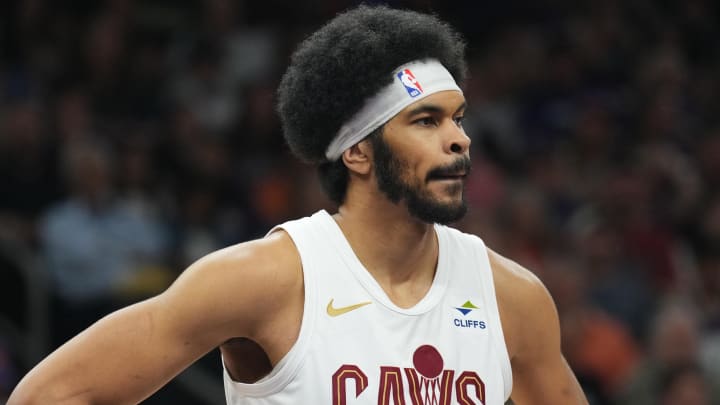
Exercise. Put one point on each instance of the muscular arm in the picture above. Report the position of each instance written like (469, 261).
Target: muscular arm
(532, 332)
(130, 354)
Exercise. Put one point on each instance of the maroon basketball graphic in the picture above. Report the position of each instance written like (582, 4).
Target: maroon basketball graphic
(427, 361)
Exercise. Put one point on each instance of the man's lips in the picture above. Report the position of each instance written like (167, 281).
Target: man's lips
(458, 170)
(449, 176)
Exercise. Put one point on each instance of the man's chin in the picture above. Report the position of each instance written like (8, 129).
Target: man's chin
(438, 213)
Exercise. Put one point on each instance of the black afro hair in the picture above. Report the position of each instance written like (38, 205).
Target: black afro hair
(347, 61)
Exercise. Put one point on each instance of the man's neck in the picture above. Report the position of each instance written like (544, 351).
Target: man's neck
(399, 251)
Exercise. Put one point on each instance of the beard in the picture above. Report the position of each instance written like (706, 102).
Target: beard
(420, 202)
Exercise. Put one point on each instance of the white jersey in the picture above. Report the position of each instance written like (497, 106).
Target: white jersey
(357, 347)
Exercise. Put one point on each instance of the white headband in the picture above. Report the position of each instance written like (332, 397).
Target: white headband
(411, 82)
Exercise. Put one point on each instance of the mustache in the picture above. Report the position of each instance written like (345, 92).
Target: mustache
(460, 165)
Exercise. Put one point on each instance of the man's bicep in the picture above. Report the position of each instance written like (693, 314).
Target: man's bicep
(532, 334)
(550, 382)
(540, 373)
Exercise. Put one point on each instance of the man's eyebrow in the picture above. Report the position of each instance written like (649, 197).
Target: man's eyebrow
(432, 108)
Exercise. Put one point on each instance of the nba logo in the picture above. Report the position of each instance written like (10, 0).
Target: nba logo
(407, 78)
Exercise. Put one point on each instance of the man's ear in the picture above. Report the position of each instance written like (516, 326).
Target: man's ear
(358, 158)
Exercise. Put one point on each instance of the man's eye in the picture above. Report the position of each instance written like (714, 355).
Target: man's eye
(426, 121)
(459, 120)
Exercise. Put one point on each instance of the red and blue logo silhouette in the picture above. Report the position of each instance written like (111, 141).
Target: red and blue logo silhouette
(407, 78)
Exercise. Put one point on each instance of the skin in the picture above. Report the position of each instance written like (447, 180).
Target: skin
(130, 354)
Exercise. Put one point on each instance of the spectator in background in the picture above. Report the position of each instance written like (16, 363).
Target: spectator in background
(96, 247)
(675, 342)
(616, 284)
(686, 385)
(707, 251)
(599, 347)
(8, 371)
(73, 117)
(202, 90)
(28, 181)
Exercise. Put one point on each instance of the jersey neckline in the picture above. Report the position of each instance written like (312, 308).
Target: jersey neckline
(348, 256)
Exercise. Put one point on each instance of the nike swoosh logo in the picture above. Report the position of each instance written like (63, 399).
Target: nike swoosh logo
(332, 311)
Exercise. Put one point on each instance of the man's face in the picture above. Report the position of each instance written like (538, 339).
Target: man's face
(429, 176)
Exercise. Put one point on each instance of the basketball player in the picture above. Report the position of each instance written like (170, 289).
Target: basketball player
(376, 304)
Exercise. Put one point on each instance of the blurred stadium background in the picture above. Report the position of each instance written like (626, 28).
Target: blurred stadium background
(136, 136)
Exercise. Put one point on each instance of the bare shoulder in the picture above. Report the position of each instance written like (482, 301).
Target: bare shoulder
(517, 287)
(233, 282)
(525, 304)
(507, 271)
(274, 256)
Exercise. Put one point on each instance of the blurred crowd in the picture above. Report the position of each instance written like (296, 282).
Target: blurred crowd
(136, 136)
